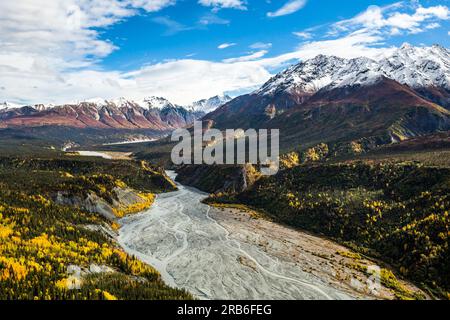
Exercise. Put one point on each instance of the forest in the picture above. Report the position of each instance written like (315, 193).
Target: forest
(396, 211)
(42, 243)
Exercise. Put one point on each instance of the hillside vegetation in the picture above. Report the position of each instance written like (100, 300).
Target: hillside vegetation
(49, 251)
(397, 211)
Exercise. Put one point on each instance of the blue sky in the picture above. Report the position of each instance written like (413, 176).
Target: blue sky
(191, 49)
(177, 32)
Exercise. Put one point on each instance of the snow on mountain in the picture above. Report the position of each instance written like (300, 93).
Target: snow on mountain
(8, 105)
(147, 103)
(123, 102)
(119, 102)
(409, 65)
(419, 66)
(159, 103)
(209, 105)
(309, 76)
(154, 113)
(97, 101)
(156, 103)
(42, 107)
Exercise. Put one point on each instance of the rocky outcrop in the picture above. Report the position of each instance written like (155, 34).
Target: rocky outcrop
(126, 201)
(218, 178)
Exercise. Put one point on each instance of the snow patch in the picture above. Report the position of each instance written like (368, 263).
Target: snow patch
(413, 66)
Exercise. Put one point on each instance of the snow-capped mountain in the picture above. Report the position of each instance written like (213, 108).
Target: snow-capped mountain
(42, 107)
(209, 105)
(330, 99)
(8, 105)
(147, 103)
(415, 67)
(419, 66)
(307, 77)
(154, 113)
(157, 103)
(97, 101)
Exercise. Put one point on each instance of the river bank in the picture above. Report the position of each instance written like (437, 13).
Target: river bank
(227, 254)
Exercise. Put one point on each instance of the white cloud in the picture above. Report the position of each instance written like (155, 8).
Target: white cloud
(151, 5)
(389, 18)
(365, 34)
(53, 46)
(184, 81)
(172, 26)
(357, 44)
(290, 7)
(441, 12)
(210, 18)
(226, 45)
(50, 56)
(395, 32)
(57, 49)
(235, 4)
(260, 45)
(371, 18)
(181, 81)
(250, 57)
(62, 36)
(432, 26)
(303, 34)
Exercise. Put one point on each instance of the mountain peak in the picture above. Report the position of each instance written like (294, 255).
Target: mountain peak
(437, 45)
(154, 102)
(118, 113)
(120, 100)
(42, 107)
(8, 105)
(211, 104)
(409, 65)
(406, 46)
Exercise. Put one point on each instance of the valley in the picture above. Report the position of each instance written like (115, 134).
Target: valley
(224, 158)
(394, 210)
(58, 224)
(364, 183)
(227, 254)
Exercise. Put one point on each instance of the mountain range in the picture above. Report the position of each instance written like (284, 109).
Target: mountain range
(154, 113)
(348, 104)
(333, 100)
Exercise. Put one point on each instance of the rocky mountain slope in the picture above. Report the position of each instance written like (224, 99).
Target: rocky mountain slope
(330, 99)
(153, 113)
(416, 67)
(209, 105)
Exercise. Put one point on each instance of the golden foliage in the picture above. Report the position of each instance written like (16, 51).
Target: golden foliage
(147, 201)
(108, 296)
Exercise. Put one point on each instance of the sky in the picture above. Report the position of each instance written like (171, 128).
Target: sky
(64, 51)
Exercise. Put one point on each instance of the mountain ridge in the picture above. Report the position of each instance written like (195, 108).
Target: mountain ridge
(335, 100)
(209, 105)
(155, 113)
(408, 65)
